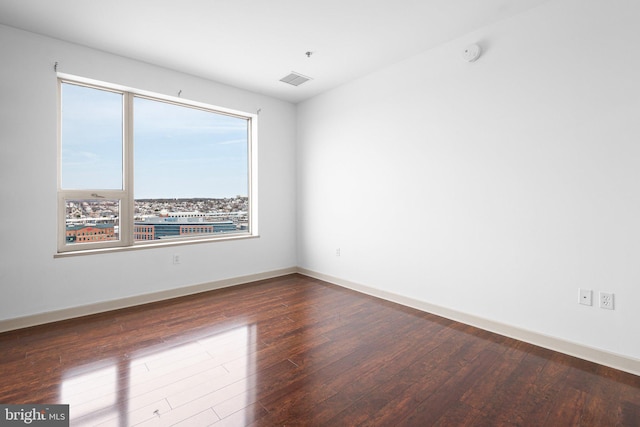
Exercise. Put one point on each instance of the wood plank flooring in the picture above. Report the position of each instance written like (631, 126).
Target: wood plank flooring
(295, 351)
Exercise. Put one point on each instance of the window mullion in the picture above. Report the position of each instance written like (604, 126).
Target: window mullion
(127, 170)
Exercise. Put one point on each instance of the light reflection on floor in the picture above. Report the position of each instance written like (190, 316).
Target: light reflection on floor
(195, 384)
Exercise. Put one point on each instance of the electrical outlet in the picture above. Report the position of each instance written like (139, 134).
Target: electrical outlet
(606, 300)
(338, 252)
(176, 258)
(585, 296)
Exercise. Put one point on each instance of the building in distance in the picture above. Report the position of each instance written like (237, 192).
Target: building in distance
(167, 227)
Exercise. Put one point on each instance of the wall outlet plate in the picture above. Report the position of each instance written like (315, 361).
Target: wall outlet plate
(606, 300)
(585, 296)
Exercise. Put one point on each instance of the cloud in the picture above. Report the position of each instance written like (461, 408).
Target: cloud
(233, 141)
(75, 158)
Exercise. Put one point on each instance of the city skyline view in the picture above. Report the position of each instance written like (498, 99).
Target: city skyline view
(88, 221)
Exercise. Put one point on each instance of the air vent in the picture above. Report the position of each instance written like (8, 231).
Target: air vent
(295, 79)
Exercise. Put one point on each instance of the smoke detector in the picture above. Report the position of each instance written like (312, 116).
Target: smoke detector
(471, 53)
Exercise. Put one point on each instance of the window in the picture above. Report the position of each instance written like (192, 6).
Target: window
(138, 169)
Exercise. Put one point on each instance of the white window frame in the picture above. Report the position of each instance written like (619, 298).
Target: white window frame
(126, 196)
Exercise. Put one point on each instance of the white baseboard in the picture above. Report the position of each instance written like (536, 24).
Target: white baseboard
(85, 310)
(595, 355)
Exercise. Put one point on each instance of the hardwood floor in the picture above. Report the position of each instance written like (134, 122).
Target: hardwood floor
(298, 351)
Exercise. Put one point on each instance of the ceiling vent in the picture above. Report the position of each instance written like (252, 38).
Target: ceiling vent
(295, 79)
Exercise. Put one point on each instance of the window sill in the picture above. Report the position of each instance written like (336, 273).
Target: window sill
(153, 245)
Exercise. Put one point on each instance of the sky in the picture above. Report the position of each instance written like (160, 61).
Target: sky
(179, 152)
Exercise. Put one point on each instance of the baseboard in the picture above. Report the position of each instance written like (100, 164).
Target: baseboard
(595, 355)
(591, 354)
(73, 312)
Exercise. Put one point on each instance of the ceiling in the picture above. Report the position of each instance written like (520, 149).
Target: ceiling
(252, 44)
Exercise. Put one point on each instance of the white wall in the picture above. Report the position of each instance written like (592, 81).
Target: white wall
(31, 280)
(495, 188)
